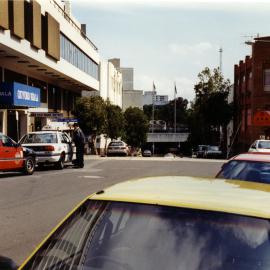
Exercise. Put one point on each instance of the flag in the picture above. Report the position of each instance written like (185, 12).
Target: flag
(175, 89)
(154, 87)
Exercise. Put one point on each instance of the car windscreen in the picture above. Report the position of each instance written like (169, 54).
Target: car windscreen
(39, 138)
(116, 236)
(264, 144)
(246, 170)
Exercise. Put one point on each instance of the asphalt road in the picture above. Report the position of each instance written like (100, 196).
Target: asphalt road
(30, 206)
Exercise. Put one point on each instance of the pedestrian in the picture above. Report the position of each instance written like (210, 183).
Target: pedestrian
(79, 140)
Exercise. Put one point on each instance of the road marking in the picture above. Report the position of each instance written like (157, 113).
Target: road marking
(90, 176)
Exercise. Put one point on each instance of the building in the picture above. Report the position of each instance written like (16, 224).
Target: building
(159, 100)
(252, 96)
(132, 98)
(111, 84)
(46, 62)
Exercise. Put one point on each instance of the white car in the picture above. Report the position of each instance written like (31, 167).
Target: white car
(260, 146)
(117, 148)
(51, 147)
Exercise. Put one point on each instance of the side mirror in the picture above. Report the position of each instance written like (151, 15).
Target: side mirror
(7, 264)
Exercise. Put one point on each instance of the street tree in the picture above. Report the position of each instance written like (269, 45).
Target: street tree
(136, 127)
(115, 122)
(91, 112)
(210, 109)
(166, 112)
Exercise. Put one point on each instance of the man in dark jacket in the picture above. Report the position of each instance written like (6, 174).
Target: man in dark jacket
(79, 140)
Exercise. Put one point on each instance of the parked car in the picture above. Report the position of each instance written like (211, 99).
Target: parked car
(163, 223)
(249, 166)
(14, 157)
(213, 151)
(51, 147)
(260, 146)
(117, 148)
(147, 153)
(199, 151)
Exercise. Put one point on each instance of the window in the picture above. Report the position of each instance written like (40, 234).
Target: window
(267, 80)
(6, 141)
(71, 53)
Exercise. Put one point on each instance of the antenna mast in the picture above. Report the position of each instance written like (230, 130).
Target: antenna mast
(220, 59)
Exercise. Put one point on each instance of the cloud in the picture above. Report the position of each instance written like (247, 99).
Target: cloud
(186, 49)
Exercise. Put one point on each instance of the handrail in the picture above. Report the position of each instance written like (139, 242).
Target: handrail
(73, 24)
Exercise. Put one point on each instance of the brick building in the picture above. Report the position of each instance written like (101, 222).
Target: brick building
(252, 96)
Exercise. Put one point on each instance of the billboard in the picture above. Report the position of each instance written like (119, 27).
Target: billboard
(18, 94)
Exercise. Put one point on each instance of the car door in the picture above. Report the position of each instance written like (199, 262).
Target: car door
(11, 156)
(66, 142)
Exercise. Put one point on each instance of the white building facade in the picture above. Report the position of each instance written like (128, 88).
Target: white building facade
(46, 62)
(111, 84)
(159, 100)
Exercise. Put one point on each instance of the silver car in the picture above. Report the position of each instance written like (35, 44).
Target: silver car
(117, 148)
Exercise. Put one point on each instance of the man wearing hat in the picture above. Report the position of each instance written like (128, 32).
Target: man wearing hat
(79, 140)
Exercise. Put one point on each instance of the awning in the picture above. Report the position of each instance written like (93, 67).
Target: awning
(262, 119)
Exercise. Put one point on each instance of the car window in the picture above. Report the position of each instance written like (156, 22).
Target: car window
(246, 170)
(116, 144)
(213, 148)
(6, 141)
(116, 236)
(40, 138)
(64, 138)
(264, 144)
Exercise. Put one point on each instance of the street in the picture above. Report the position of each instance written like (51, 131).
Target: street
(30, 206)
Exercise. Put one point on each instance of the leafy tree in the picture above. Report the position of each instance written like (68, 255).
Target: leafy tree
(91, 112)
(166, 112)
(136, 127)
(115, 121)
(210, 109)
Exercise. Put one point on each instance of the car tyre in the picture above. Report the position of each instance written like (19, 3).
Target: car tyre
(29, 166)
(60, 164)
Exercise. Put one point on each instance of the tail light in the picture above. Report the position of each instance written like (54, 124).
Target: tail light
(49, 148)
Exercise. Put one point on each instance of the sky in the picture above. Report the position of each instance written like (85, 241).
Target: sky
(171, 41)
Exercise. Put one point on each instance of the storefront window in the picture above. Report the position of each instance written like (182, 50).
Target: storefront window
(1, 121)
(267, 80)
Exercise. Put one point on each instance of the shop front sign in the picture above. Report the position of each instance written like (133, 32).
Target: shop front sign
(18, 94)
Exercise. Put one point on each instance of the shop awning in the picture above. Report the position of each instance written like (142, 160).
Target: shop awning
(262, 119)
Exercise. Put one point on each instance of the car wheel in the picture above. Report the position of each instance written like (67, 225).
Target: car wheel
(61, 164)
(29, 166)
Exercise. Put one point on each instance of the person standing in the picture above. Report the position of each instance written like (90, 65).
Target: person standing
(79, 140)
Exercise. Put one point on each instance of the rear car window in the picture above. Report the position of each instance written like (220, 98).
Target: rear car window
(116, 144)
(264, 145)
(39, 138)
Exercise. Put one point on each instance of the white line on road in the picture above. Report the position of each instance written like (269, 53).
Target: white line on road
(90, 176)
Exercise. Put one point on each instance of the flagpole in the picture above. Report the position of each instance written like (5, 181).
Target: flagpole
(175, 91)
(153, 115)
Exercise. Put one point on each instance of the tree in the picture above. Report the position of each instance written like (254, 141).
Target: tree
(166, 112)
(91, 112)
(136, 127)
(115, 121)
(210, 109)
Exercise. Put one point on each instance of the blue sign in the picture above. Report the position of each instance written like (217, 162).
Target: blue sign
(18, 94)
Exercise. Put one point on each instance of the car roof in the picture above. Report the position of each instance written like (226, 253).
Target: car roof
(231, 196)
(253, 156)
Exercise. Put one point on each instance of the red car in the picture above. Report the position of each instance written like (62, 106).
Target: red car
(253, 167)
(13, 157)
